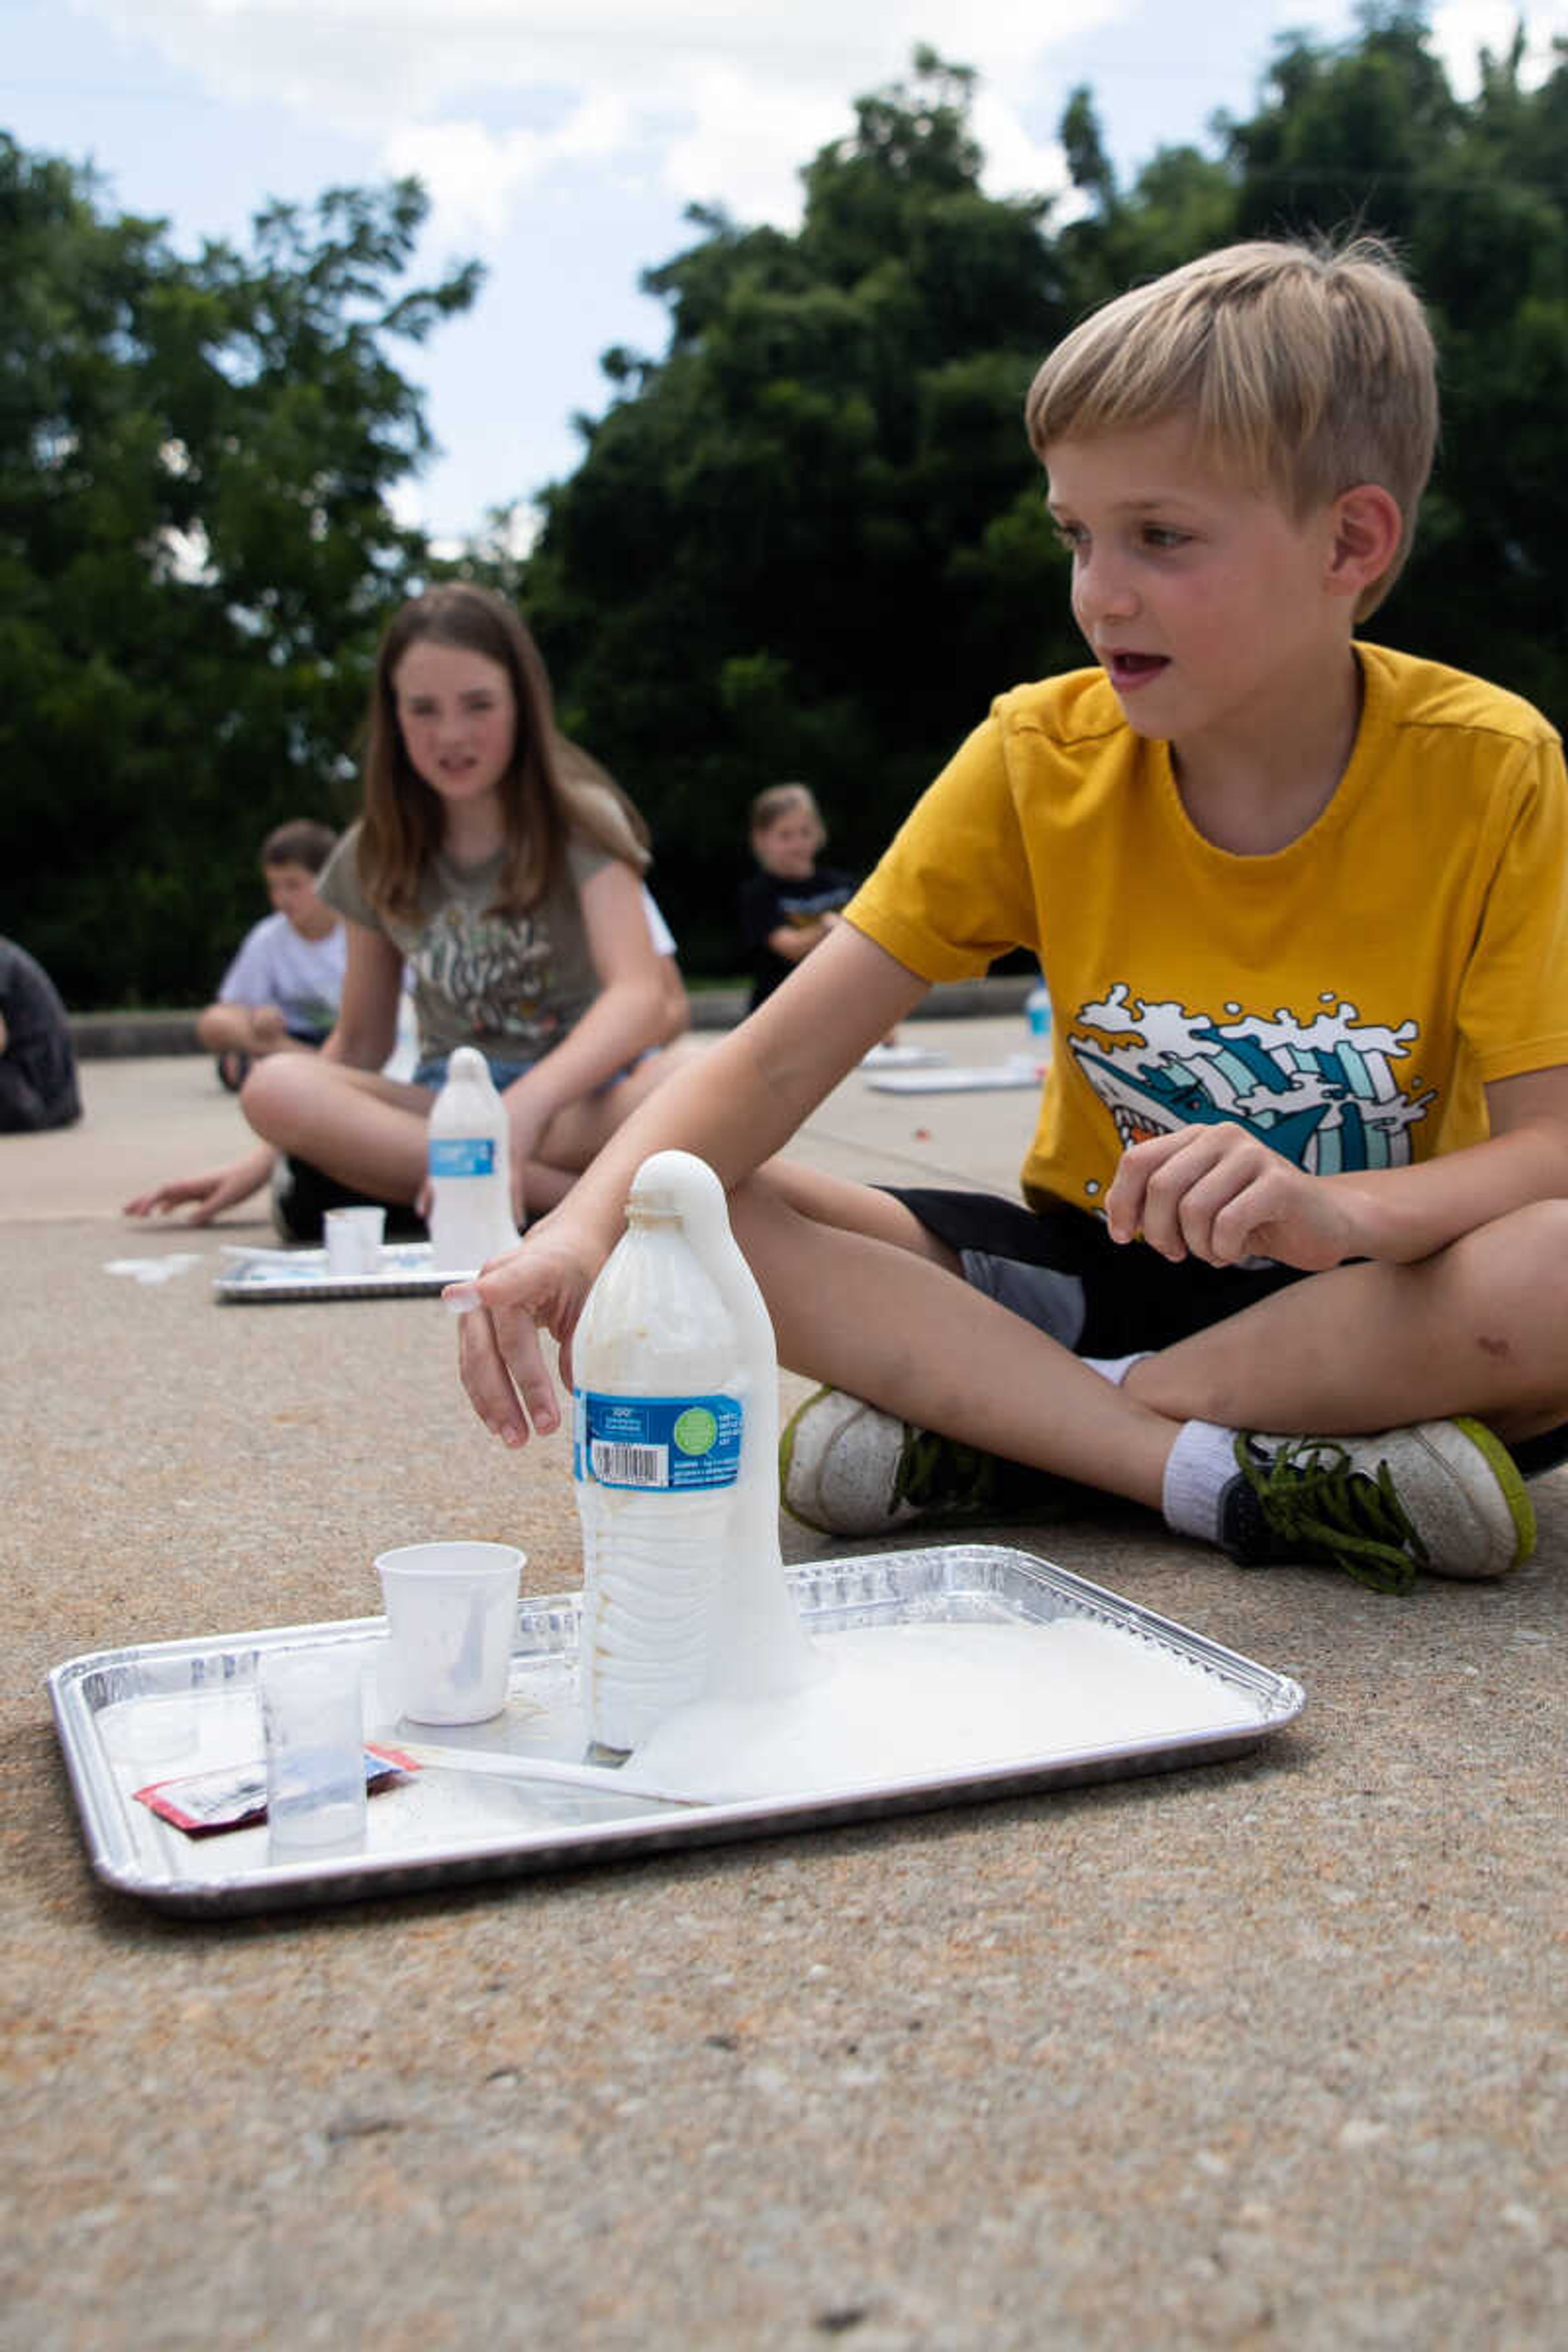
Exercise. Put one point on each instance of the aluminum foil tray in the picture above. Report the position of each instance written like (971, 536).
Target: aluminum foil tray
(130, 1716)
(266, 1277)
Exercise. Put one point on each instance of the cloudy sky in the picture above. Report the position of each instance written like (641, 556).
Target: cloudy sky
(561, 141)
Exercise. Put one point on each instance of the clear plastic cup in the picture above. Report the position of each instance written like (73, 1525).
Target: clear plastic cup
(451, 1613)
(312, 1721)
(353, 1239)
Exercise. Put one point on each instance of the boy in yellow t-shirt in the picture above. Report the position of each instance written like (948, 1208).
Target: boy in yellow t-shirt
(1292, 1264)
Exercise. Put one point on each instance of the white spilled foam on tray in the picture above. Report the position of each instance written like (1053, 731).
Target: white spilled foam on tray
(918, 1702)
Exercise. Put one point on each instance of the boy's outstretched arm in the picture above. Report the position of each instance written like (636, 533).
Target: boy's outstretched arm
(734, 1107)
(1221, 1194)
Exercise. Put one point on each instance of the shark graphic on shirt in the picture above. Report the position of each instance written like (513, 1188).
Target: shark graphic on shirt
(1329, 1093)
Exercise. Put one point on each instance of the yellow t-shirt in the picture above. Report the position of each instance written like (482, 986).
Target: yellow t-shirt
(1345, 998)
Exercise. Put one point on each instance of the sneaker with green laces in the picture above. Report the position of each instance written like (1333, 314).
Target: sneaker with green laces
(847, 1468)
(1443, 1495)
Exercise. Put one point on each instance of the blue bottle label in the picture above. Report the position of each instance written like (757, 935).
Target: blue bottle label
(462, 1155)
(664, 1444)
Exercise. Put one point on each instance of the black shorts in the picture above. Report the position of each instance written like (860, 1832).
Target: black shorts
(1059, 1268)
(1131, 1296)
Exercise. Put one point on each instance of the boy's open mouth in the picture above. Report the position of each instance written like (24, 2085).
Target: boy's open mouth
(1127, 669)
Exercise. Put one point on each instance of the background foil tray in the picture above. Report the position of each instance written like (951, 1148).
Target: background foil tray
(267, 1276)
(130, 1717)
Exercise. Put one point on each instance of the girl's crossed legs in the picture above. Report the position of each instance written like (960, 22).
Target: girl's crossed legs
(370, 1132)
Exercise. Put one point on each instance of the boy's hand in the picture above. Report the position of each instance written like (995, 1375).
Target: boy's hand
(1219, 1195)
(538, 1286)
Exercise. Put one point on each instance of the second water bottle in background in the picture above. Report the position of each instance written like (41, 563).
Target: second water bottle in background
(469, 1168)
(1038, 1013)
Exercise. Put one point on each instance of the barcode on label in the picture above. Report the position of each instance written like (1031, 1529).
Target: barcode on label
(629, 1465)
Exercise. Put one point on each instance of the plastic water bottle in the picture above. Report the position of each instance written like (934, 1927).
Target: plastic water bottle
(470, 1167)
(1037, 1012)
(675, 1455)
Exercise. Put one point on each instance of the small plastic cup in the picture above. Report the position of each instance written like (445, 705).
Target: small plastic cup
(353, 1239)
(312, 1721)
(451, 1611)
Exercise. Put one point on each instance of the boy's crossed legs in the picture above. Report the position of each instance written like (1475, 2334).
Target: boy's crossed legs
(867, 1299)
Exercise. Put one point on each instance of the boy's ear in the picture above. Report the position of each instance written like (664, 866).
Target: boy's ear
(1367, 528)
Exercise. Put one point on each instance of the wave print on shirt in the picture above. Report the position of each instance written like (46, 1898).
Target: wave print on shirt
(1325, 1094)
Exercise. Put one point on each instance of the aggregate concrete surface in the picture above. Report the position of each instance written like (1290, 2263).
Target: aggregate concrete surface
(1267, 2053)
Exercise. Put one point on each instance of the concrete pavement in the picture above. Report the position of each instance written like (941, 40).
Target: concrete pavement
(1266, 2054)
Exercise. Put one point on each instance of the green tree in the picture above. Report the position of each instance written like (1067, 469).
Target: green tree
(195, 554)
(1367, 135)
(808, 540)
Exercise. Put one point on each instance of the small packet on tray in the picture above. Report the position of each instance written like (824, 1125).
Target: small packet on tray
(234, 1796)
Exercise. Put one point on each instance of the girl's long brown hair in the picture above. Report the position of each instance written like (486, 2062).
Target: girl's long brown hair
(550, 791)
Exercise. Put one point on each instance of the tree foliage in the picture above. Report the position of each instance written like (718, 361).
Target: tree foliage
(805, 539)
(195, 552)
(808, 536)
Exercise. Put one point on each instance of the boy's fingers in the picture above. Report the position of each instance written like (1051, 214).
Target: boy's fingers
(1209, 1166)
(517, 1337)
(1127, 1206)
(485, 1378)
(505, 1374)
(1124, 1203)
(1166, 1177)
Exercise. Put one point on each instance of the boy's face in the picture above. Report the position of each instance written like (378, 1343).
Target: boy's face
(1204, 601)
(292, 890)
(788, 846)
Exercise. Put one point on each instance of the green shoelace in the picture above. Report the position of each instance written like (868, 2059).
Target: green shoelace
(1316, 1504)
(940, 1477)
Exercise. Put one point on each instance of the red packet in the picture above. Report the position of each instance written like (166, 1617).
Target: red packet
(234, 1796)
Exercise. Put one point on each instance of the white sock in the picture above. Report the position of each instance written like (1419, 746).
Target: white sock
(1201, 1464)
(1115, 1368)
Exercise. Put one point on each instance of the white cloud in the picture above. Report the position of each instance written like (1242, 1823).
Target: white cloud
(474, 175)
(702, 99)
(1462, 28)
(743, 146)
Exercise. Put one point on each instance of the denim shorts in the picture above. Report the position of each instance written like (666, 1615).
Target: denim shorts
(1059, 1269)
(432, 1071)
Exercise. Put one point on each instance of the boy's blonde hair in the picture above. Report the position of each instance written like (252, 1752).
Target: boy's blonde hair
(1305, 368)
(780, 800)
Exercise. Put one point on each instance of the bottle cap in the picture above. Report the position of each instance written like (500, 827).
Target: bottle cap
(653, 1200)
(669, 1184)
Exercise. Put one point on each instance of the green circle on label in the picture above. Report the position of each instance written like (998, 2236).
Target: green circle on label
(697, 1431)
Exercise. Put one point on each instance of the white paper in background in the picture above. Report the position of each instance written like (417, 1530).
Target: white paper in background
(153, 1269)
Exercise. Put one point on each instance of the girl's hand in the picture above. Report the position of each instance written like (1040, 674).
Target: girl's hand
(1220, 1194)
(538, 1286)
(207, 1196)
